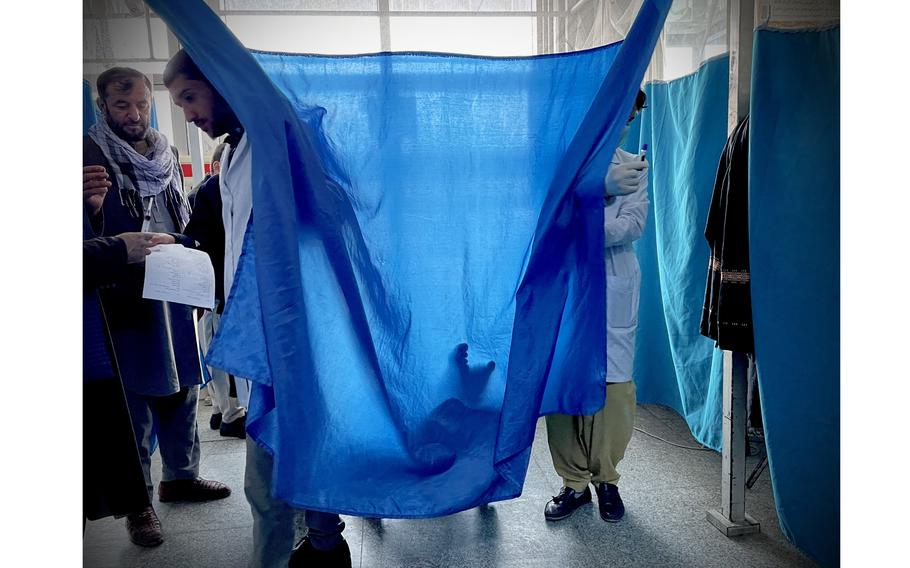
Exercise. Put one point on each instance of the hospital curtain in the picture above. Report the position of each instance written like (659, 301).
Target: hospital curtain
(684, 126)
(794, 215)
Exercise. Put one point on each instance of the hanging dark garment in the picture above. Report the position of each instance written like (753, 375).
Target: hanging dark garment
(727, 312)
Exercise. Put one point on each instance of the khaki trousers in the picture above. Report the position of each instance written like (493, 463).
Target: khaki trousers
(587, 449)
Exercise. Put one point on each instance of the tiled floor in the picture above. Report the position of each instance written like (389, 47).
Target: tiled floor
(667, 491)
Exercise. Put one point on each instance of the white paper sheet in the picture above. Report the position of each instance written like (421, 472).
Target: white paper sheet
(174, 273)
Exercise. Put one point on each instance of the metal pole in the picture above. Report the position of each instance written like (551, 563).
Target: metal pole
(194, 139)
(736, 373)
(740, 27)
(385, 33)
(178, 123)
(732, 519)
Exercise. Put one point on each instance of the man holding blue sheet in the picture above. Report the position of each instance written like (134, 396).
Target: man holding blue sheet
(273, 519)
(587, 449)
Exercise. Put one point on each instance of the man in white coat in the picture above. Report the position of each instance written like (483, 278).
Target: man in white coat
(587, 449)
(273, 519)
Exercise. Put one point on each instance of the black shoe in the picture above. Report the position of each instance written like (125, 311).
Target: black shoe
(215, 421)
(144, 528)
(192, 490)
(564, 504)
(305, 555)
(235, 429)
(609, 502)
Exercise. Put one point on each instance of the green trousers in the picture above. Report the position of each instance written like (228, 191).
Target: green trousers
(587, 449)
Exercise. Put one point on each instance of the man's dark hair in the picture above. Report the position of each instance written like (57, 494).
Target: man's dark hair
(121, 79)
(640, 100)
(219, 151)
(181, 64)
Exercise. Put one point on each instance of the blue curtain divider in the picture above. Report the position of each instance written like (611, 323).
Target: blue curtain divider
(794, 213)
(685, 127)
(423, 275)
(153, 119)
(88, 107)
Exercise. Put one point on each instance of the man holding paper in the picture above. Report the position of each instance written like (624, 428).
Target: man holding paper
(132, 182)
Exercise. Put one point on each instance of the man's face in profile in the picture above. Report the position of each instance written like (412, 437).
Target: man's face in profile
(201, 105)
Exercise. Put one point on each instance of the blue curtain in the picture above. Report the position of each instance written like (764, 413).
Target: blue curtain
(685, 127)
(423, 275)
(794, 212)
(88, 107)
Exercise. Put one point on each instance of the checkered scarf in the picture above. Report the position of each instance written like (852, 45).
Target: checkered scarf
(152, 175)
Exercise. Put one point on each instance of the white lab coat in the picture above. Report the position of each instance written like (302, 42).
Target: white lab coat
(624, 222)
(236, 185)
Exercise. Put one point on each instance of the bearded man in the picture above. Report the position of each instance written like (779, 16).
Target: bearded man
(132, 182)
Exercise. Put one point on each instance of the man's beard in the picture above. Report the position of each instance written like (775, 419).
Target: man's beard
(124, 134)
(223, 118)
(221, 123)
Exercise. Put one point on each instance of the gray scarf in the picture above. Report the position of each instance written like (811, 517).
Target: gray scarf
(157, 173)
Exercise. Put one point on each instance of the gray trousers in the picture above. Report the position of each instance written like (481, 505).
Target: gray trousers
(273, 519)
(174, 419)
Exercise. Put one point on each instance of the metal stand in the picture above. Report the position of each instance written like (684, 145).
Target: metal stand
(762, 464)
(732, 519)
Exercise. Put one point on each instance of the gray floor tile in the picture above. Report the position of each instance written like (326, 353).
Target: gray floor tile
(511, 533)
(222, 446)
(667, 491)
(233, 512)
(541, 482)
(222, 548)
(663, 465)
(668, 527)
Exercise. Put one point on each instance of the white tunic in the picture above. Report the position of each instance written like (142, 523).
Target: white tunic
(624, 222)
(236, 185)
(236, 204)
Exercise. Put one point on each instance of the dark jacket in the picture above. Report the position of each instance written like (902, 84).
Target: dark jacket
(206, 228)
(727, 312)
(112, 478)
(155, 342)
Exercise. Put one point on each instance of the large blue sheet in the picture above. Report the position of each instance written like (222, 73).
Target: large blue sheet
(794, 213)
(685, 127)
(423, 275)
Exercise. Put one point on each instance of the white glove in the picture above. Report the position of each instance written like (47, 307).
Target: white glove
(625, 178)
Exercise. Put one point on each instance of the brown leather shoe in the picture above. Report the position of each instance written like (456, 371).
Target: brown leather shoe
(192, 490)
(144, 528)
